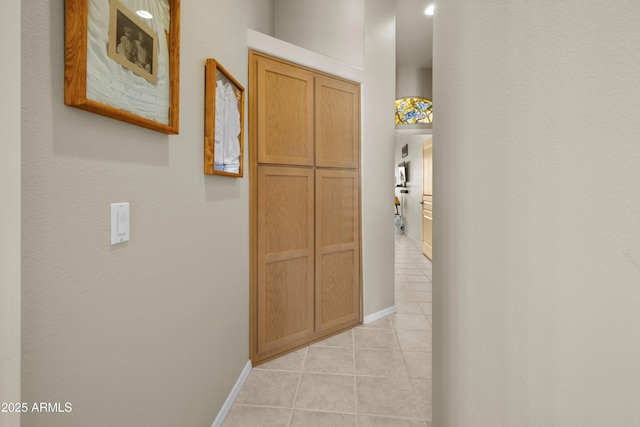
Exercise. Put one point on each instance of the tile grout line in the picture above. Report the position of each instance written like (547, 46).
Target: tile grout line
(355, 374)
(395, 335)
(334, 374)
(412, 380)
(295, 395)
(334, 412)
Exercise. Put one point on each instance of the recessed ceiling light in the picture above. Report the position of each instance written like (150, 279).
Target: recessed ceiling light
(429, 10)
(144, 14)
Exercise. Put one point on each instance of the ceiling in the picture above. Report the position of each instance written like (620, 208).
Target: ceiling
(414, 34)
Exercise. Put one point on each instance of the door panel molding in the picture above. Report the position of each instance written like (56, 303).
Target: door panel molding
(337, 240)
(285, 114)
(337, 114)
(285, 301)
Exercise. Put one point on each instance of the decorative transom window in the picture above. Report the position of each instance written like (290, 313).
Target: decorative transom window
(413, 110)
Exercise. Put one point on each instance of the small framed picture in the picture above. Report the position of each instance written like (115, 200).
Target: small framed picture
(405, 150)
(224, 122)
(402, 176)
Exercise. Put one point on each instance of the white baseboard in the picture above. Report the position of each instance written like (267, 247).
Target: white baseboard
(379, 315)
(418, 242)
(224, 411)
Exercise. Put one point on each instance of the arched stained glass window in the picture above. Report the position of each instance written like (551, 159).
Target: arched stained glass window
(413, 110)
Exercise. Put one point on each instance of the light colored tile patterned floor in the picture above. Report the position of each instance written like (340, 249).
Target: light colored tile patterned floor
(373, 375)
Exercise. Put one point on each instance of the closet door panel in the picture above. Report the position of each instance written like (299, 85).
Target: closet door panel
(285, 294)
(337, 123)
(337, 249)
(285, 113)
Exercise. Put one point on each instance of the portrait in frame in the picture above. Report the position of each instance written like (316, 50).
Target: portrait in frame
(224, 122)
(132, 43)
(122, 60)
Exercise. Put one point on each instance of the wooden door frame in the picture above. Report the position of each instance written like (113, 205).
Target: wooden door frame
(426, 198)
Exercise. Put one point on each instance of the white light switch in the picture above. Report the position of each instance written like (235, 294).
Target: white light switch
(119, 223)
(123, 223)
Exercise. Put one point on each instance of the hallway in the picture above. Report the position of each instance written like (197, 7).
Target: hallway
(377, 374)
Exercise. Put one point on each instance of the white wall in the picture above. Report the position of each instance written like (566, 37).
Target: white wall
(261, 16)
(378, 94)
(333, 28)
(414, 82)
(10, 211)
(411, 209)
(154, 331)
(537, 242)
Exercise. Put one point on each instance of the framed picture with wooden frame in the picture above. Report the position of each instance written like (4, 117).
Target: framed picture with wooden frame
(122, 60)
(224, 122)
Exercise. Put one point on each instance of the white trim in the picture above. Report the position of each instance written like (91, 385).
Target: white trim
(417, 242)
(307, 58)
(224, 411)
(379, 315)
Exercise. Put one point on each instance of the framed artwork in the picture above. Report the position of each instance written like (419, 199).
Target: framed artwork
(405, 150)
(122, 60)
(402, 176)
(224, 122)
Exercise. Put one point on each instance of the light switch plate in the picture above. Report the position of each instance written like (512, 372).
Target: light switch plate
(119, 223)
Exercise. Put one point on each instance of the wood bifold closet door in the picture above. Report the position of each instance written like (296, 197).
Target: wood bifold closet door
(305, 205)
(337, 248)
(285, 256)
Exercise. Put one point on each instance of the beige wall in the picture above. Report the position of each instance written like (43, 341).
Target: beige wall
(154, 331)
(414, 82)
(10, 211)
(334, 28)
(378, 95)
(536, 239)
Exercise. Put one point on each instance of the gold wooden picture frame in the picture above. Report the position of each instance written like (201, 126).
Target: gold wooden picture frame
(224, 122)
(122, 65)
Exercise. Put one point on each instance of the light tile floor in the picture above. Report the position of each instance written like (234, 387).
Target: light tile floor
(374, 375)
